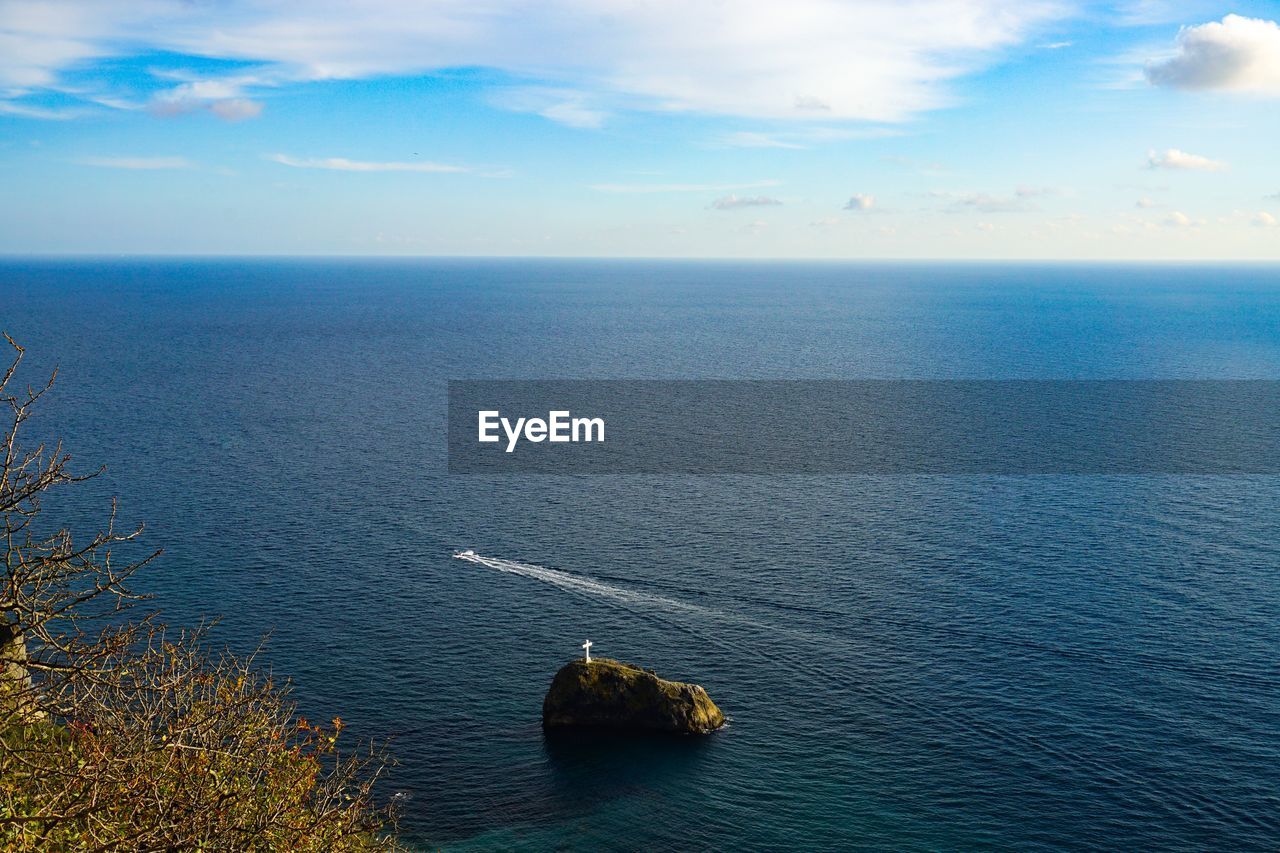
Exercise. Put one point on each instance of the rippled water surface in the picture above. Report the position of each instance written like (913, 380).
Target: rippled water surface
(907, 662)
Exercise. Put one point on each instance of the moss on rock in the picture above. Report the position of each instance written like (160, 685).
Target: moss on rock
(606, 693)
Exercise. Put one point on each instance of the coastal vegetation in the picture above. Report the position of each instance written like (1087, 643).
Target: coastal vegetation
(119, 732)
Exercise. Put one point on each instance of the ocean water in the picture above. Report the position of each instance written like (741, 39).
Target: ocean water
(908, 662)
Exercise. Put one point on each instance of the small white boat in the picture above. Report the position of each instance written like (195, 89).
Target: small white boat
(462, 555)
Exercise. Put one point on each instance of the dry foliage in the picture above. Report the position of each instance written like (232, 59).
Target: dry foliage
(116, 733)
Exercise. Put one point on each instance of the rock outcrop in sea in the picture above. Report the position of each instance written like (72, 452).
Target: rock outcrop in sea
(603, 693)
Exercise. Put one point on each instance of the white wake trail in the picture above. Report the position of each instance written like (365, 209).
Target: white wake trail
(586, 586)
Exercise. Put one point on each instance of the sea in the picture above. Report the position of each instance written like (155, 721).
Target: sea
(907, 661)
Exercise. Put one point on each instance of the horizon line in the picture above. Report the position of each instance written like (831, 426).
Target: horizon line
(86, 256)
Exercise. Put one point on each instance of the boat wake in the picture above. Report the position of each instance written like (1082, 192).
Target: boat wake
(583, 586)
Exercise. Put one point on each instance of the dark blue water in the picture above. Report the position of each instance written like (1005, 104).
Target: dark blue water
(909, 662)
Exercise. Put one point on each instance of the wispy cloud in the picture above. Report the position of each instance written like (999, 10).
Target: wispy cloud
(680, 188)
(43, 113)
(860, 201)
(224, 97)
(1172, 158)
(1265, 220)
(923, 167)
(735, 202)
(342, 164)
(236, 109)
(753, 139)
(573, 114)
(1178, 219)
(137, 163)
(1019, 202)
(1236, 54)
(800, 139)
(569, 107)
(884, 62)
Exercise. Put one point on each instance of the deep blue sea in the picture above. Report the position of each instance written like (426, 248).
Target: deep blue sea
(908, 662)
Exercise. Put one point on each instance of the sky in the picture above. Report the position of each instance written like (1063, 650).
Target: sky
(914, 129)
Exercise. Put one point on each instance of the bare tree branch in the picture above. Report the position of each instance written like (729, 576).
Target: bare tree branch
(117, 733)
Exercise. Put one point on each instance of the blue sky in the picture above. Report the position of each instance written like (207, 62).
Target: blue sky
(812, 128)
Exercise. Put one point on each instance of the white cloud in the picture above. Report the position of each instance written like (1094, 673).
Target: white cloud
(1178, 219)
(564, 106)
(221, 97)
(1236, 54)
(860, 201)
(342, 164)
(751, 139)
(137, 163)
(1019, 202)
(111, 101)
(1265, 220)
(573, 115)
(804, 137)
(839, 134)
(43, 113)
(811, 102)
(734, 202)
(877, 60)
(236, 109)
(196, 91)
(37, 40)
(1172, 158)
(1145, 203)
(680, 188)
